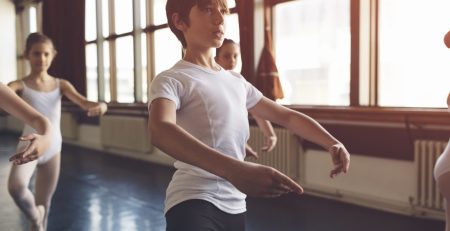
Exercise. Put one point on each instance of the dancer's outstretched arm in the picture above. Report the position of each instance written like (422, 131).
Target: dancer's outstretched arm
(306, 127)
(92, 108)
(250, 178)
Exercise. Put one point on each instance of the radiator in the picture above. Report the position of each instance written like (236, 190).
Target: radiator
(284, 157)
(124, 132)
(426, 152)
(69, 126)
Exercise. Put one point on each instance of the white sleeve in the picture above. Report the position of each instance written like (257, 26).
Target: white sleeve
(253, 95)
(166, 87)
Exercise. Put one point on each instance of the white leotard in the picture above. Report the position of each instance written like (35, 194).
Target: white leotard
(443, 163)
(49, 105)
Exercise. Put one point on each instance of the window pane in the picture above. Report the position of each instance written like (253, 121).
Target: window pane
(232, 27)
(107, 71)
(318, 33)
(159, 12)
(231, 3)
(105, 19)
(144, 67)
(125, 70)
(232, 32)
(414, 68)
(167, 50)
(123, 12)
(91, 72)
(33, 19)
(90, 22)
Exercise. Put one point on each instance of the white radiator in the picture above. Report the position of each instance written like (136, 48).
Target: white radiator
(426, 152)
(124, 132)
(69, 126)
(285, 155)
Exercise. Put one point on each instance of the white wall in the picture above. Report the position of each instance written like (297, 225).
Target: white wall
(371, 177)
(8, 61)
(89, 134)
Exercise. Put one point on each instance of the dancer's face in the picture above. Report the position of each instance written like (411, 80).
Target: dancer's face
(40, 56)
(228, 56)
(206, 26)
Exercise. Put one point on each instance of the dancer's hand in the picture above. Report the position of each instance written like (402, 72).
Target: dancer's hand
(250, 152)
(97, 110)
(38, 144)
(340, 158)
(261, 181)
(269, 143)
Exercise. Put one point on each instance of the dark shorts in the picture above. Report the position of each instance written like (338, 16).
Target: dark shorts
(201, 215)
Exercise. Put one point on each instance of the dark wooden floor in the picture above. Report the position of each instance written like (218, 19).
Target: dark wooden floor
(102, 192)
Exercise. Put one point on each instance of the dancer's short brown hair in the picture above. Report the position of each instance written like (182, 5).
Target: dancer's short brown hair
(183, 7)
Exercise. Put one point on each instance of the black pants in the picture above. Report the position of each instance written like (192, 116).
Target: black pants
(200, 215)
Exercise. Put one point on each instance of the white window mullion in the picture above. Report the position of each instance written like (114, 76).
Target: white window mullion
(137, 51)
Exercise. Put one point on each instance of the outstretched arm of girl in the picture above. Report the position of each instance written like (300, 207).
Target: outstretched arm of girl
(92, 108)
(39, 142)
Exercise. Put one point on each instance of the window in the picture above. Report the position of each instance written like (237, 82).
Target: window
(91, 33)
(123, 16)
(312, 50)
(126, 46)
(402, 59)
(124, 69)
(33, 19)
(163, 41)
(132, 47)
(91, 71)
(413, 62)
(113, 67)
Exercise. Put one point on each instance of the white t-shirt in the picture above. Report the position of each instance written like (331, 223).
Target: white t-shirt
(213, 107)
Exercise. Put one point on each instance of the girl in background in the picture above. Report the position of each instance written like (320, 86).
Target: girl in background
(43, 92)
